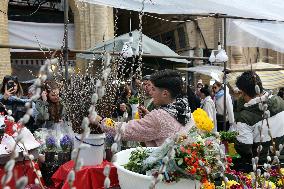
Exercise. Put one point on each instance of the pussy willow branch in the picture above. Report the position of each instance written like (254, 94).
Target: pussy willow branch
(34, 169)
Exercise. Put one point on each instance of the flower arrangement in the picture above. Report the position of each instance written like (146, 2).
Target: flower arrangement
(50, 143)
(66, 143)
(197, 156)
(240, 180)
(202, 121)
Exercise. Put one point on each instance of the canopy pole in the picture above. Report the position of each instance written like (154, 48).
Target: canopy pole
(65, 52)
(225, 77)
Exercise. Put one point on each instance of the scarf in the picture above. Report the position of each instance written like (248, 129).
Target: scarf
(204, 100)
(179, 110)
(219, 94)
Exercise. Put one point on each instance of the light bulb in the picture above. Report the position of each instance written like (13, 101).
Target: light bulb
(219, 47)
(222, 56)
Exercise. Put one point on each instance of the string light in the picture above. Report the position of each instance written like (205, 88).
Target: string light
(178, 21)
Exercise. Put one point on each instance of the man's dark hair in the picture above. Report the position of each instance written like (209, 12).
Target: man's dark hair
(205, 90)
(281, 92)
(169, 80)
(247, 81)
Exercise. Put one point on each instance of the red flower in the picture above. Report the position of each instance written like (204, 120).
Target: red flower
(193, 170)
(182, 149)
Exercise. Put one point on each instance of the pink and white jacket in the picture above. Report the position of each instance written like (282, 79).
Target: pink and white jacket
(153, 129)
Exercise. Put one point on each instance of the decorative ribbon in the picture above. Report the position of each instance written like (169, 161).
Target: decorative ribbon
(89, 143)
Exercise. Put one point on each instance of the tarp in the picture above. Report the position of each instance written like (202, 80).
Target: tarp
(239, 32)
(246, 33)
(270, 79)
(149, 46)
(272, 9)
(48, 35)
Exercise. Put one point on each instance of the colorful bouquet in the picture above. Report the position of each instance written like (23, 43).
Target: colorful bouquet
(240, 180)
(197, 157)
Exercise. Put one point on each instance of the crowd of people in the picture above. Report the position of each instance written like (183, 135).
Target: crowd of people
(165, 109)
(172, 107)
(47, 110)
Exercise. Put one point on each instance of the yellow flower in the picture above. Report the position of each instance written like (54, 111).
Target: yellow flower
(282, 171)
(136, 115)
(279, 182)
(202, 121)
(229, 184)
(109, 122)
(270, 184)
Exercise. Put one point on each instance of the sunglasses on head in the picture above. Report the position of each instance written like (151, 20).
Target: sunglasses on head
(10, 77)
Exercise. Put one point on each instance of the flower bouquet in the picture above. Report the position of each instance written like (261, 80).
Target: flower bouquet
(239, 180)
(182, 161)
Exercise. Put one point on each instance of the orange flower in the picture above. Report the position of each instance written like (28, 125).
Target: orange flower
(208, 185)
(193, 170)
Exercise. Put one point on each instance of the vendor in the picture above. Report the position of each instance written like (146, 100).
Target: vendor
(173, 115)
(49, 108)
(249, 119)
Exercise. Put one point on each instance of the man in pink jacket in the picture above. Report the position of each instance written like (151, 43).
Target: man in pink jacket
(172, 116)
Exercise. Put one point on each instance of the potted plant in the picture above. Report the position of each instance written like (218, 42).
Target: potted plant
(77, 98)
(51, 148)
(229, 138)
(134, 103)
(66, 144)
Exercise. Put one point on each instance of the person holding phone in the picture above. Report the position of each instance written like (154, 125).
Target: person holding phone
(12, 97)
(49, 107)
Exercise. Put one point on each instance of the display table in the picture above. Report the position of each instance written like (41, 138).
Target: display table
(91, 177)
(21, 168)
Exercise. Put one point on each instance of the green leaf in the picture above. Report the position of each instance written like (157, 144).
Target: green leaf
(180, 161)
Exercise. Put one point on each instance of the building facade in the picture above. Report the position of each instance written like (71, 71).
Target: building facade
(93, 24)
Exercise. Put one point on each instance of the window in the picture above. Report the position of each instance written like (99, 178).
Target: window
(157, 38)
(181, 37)
(168, 39)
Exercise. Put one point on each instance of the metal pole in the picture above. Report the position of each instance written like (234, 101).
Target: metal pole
(225, 78)
(66, 9)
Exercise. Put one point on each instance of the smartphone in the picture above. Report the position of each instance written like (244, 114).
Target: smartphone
(10, 85)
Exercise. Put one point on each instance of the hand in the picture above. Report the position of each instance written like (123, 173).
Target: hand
(142, 111)
(44, 95)
(8, 93)
(98, 119)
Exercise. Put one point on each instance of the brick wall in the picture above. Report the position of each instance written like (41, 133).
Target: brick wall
(5, 65)
(92, 24)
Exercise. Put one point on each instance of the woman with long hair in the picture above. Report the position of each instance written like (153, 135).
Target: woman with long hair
(12, 97)
(172, 116)
(49, 108)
